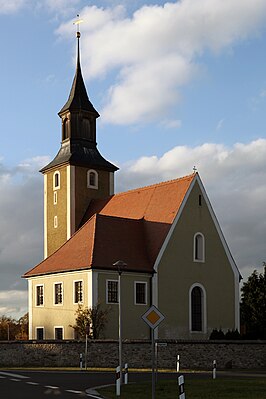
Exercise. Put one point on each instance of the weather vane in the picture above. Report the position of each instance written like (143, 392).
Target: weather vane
(78, 22)
(194, 169)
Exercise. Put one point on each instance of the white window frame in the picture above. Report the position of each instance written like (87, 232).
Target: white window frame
(39, 327)
(194, 248)
(135, 292)
(203, 310)
(58, 304)
(55, 197)
(95, 186)
(59, 180)
(74, 291)
(55, 222)
(36, 296)
(106, 287)
(63, 332)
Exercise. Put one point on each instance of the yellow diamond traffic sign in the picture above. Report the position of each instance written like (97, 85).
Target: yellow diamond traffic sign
(153, 317)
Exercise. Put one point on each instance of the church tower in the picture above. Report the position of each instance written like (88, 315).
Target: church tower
(78, 173)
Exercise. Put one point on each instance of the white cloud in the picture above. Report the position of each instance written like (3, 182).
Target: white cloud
(21, 220)
(154, 52)
(12, 6)
(171, 123)
(13, 303)
(235, 180)
(62, 7)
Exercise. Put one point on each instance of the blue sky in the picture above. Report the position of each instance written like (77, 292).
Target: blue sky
(177, 84)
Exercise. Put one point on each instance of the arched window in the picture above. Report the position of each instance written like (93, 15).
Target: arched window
(197, 304)
(92, 179)
(199, 248)
(65, 129)
(56, 180)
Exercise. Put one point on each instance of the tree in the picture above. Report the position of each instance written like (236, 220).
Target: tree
(23, 327)
(8, 328)
(91, 320)
(253, 305)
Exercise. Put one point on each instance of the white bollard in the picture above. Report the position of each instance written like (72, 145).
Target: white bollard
(118, 381)
(214, 370)
(126, 373)
(181, 387)
(80, 361)
(177, 364)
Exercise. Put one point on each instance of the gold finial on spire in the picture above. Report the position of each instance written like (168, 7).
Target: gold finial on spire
(78, 22)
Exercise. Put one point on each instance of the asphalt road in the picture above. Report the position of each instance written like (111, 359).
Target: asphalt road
(27, 384)
(39, 385)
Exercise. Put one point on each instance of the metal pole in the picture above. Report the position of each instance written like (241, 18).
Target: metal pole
(120, 327)
(86, 351)
(156, 361)
(153, 363)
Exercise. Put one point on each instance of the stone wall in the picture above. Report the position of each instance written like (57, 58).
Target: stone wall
(193, 354)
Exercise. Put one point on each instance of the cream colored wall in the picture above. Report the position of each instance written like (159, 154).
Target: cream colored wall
(133, 327)
(51, 315)
(177, 273)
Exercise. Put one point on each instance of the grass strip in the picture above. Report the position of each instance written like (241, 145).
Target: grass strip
(195, 388)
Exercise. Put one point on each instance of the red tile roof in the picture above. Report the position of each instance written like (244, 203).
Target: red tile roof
(131, 226)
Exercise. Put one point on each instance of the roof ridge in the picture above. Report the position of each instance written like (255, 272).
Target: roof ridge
(100, 215)
(155, 185)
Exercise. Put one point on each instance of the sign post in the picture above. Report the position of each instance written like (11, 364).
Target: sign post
(153, 317)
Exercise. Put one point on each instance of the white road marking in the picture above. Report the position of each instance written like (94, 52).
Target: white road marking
(72, 391)
(93, 396)
(2, 376)
(13, 375)
(51, 387)
(14, 379)
(32, 383)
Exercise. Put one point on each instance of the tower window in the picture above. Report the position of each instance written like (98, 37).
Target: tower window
(56, 180)
(199, 248)
(92, 179)
(55, 222)
(65, 129)
(87, 128)
(55, 197)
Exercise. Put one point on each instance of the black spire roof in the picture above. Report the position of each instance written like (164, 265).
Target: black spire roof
(79, 145)
(78, 98)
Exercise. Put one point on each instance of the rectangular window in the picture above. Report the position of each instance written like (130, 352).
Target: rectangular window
(140, 293)
(78, 291)
(39, 333)
(58, 333)
(55, 222)
(58, 293)
(55, 197)
(112, 291)
(39, 295)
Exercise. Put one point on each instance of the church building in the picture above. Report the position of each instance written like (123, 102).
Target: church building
(166, 234)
